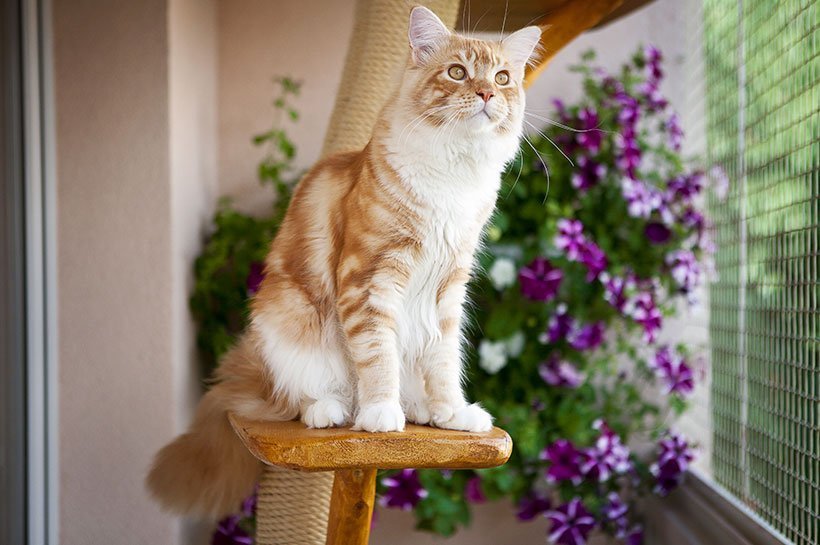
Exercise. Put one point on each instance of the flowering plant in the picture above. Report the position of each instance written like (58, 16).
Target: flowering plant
(584, 262)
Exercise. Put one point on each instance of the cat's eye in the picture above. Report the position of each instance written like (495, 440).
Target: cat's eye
(457, 72)
(502, 78)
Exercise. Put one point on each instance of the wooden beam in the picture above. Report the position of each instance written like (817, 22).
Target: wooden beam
(560, 27)
(351, 507)
(493, 15)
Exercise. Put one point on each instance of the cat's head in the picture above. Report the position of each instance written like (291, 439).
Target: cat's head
(466, 85)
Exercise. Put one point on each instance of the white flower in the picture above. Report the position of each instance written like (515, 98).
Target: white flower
(515, 344)
(503, 273)
(492, 356)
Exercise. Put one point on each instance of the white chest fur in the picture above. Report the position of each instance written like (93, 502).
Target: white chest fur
(454, 221)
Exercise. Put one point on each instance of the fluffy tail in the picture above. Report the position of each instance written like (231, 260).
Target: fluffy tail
(207, 471)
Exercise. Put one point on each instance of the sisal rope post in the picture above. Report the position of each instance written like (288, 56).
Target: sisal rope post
(293, 506)
(376, 55)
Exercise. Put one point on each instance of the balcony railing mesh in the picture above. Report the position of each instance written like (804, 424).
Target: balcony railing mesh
(762, 61)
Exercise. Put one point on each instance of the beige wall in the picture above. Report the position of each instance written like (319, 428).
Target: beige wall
(193, 142)
(114, 275)
(156, 103)
(135, 135)
(260, 39)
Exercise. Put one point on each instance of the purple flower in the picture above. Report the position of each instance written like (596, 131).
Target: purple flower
(609, 84)
(666, 482)
(593, 258)
(674, 457)
(675, 132)
(473, 492)
(655, 101)
(629, 160)
(641, 199)
(591, 138)
(571, 524)
(693, 219)
(540, 280)
(404, 490)
(572, 241)
(255, 277)
(670, 367)
(531, 506)
(589, 173)
(685, 269)
(686, 186)
(559, 325)
(615, 289)
(614, 509)
(653, 57)
(635, 536)
(588, 337)
(249, 505)
(570, 238)
(228, 532)
(657, 233)
(560, 373)
(561, 109)
(564, 460)
(608, 457)
(628, 114)
(643, 311)
(614, 512)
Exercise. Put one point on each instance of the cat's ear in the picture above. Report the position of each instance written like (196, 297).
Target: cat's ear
(519, 47)
(426, 34)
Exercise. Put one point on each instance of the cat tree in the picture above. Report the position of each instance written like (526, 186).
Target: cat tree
(319, 485)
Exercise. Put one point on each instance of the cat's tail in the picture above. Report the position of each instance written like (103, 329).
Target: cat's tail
(207, 471)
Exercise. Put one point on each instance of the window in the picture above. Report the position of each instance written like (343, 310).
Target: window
(762, 59)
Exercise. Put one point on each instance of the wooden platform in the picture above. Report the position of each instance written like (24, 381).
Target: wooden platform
(292, 445)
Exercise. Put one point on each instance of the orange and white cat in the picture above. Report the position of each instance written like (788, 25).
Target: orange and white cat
(358, 320)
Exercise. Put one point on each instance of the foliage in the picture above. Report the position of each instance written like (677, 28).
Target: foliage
(239, 241)
(585, 260)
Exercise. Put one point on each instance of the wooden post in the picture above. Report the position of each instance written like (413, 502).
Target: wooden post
(351, 507)
(563, 25)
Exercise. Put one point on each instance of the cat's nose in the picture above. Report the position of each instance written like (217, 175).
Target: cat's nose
(485, 94)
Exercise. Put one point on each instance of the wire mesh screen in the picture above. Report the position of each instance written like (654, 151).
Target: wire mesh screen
(763, 128)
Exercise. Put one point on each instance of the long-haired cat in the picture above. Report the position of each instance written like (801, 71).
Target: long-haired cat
(358, 319)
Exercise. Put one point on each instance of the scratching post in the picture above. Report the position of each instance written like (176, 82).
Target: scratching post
(294, 503)
(376, 55)
(292, 507)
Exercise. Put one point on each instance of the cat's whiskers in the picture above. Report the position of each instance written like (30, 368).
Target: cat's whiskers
(418, 120)
(566, 127)
(504, 21)
(450, 119)
(520, 156)
(543, 164)
(548, 139)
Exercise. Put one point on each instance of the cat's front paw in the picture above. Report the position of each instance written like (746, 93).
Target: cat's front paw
(417, 412)
(380, 417)
(325, 413)
(467, 418)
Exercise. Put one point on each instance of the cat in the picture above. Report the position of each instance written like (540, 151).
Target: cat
(358, 319)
